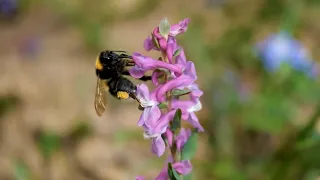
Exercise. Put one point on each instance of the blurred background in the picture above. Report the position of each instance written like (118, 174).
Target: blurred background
(256, 62)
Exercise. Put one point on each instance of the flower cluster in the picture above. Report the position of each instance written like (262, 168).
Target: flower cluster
(281, 48)
(172, 76)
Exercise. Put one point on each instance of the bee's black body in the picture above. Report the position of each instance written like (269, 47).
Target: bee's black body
(111, 66)
(121, 84)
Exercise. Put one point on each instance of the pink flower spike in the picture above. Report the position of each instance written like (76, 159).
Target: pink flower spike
(179, 28)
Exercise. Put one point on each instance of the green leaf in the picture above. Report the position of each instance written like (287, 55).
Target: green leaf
(172, 173)
(49, 143)
(164, 28)
(176, 122)
(190, 148)
(187, 177)
(21, 171)
(178, 92)
(177, 52)
(162, 105)
(155, 41)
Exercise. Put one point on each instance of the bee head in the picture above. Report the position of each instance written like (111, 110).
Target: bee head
(108, 59)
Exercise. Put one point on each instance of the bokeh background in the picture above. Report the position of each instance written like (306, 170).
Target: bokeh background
(256, 62)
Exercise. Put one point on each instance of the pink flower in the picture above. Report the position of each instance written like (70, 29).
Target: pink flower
(179, 28)
(182, 138)
(144, 63)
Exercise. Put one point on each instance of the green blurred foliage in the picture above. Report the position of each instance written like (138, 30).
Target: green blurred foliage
(21, 171)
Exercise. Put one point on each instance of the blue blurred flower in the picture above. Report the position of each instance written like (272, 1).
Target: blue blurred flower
(8, 6)
(281, 48)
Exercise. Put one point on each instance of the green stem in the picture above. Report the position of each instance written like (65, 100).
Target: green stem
(168, 97)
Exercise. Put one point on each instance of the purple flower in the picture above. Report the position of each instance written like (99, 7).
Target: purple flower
(182, 138)
(144, 63)
(178, 82)
(155, 76)
(175, 29)
(158, 146)
(169, 136)
(151, 111)
(188, 66)
(149, 119)
(8, 6)
(179, 28)
(163, 175)
(149, 45)
(184, 167)
(181, 58)
(281, 48)
(172, 47)
(188, 107)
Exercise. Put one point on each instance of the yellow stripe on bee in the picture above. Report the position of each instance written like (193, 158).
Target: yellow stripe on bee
(123, 95)
(98, 64)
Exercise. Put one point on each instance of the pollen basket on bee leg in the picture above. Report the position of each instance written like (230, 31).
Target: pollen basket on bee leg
(123, 95)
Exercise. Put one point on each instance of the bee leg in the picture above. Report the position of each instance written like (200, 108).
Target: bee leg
(129, 62)
(122, 88)
(125, 56)
(143, 78)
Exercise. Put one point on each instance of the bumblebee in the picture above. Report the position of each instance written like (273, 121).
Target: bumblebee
(110, 67)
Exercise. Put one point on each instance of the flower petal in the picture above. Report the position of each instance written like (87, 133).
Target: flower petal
(163, 175)
(184, 167)
(154, 77)
(180, 81)
(191, 70)
(158, 146)
(169, 136)
(153, 116)
(137, 72)
(182, 138)
(148, 44)
(182, 104)
(147, 63)
(179, 28)
(171, 48)
(163, 122)
(193, 120)
(163, 44)
(143, 92)
(181, 58)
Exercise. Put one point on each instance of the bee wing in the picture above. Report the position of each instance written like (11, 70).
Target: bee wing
(100, 102)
